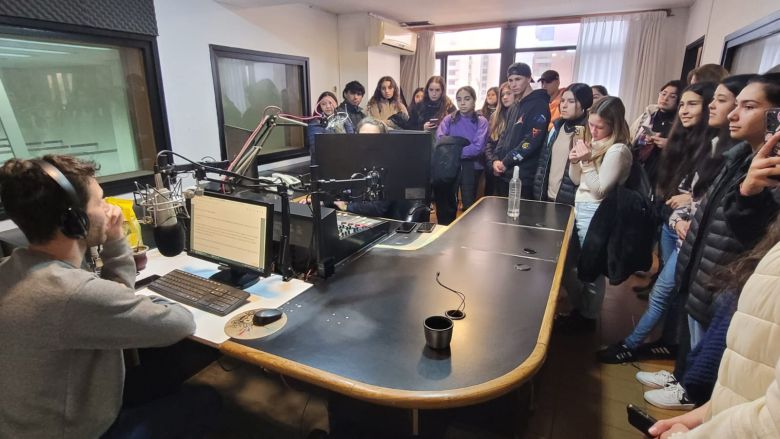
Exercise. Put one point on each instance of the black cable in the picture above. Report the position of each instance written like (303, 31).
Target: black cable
(462, 306)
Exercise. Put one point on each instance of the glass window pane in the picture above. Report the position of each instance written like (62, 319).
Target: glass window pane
(562, 61)
(478, 71)
(547, 35)
(437, 67)
(757, 56)
(85, 100)
(468, 40)
(247, 88)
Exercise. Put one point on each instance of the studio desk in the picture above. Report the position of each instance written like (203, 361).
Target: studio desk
(360, 332)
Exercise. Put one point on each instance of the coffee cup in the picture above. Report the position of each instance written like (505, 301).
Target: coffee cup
(140, 258)
(438, 332)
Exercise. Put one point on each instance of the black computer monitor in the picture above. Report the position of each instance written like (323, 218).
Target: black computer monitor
(406, 160)
(235, 232)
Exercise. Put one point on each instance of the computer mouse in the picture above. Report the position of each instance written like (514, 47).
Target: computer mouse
(266, 316)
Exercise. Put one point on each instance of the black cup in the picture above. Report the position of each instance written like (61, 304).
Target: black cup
(438, 332)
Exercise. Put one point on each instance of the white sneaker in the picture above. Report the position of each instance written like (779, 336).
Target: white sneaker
(671, 397)
(656, 380)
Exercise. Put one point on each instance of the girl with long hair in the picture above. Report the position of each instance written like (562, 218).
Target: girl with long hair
(497, 126)
(435, 105)
(385, 105)
(469, 124)
(597, 167)
(328, 120)
(491, 103)
(689, 144)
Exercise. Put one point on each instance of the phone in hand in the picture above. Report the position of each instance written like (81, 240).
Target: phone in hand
(433, 121)
(772, 121)
(405, 227)
(579, 133)
(639, 419)
(648, 131)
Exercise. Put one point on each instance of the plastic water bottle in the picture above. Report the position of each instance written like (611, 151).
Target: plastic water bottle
(513, 210)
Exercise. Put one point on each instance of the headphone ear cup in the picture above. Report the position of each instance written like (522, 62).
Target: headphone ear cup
(74, 224)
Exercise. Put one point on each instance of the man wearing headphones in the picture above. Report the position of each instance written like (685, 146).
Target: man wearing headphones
(62, 328)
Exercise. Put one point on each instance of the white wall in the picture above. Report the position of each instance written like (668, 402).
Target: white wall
(359, 62)
(187, 27)
(718, 18)
(673, 41)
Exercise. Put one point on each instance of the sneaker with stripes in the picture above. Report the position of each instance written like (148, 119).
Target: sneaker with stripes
(656, 380)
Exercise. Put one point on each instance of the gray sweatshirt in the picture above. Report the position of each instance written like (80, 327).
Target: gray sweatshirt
(62, 331)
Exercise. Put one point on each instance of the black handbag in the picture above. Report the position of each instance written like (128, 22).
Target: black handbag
(445, 163)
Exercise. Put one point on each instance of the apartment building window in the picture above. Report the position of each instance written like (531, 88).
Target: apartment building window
(471, 57)
(474, 57)
(548, 47)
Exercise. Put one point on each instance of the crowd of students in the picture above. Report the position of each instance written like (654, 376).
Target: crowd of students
(713, 170)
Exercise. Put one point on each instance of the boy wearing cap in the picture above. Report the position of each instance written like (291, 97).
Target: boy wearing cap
(551, 82)
(521, 141)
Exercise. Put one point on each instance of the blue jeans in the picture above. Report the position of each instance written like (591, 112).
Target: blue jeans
(668, 242)
(587, 299)
(696, 330)
(661, 299)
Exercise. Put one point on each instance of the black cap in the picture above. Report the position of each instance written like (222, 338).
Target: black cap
(549, 76)
(521, 69)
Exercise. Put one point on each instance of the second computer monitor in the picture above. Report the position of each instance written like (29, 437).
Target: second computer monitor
(235, 232)
(406, 160)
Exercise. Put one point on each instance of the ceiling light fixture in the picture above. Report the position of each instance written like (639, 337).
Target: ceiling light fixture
(14, 40)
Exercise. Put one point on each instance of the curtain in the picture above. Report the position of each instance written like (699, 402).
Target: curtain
(642, 62)
(417, 68)
(620, 53)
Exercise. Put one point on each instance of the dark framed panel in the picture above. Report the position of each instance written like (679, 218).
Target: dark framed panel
(248, 81)
(692, 58)
(141, 92)
(766, 27)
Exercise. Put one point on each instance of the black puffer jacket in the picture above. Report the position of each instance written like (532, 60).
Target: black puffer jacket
(356, 114)
(725, 225)
(568, 189)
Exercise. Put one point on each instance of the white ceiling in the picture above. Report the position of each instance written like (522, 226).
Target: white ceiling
(441, 12)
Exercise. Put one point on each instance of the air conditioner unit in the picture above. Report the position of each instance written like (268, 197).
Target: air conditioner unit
(389, 35)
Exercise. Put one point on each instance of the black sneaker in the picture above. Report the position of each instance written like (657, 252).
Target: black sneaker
(657, 350)
(574, 323)
(616, 354)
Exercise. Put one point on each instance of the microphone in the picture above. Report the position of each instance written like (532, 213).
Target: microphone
(460, 312)
(160, 208)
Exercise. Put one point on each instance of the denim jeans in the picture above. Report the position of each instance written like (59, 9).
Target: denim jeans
(588, 299)
(661, 298)
(668, 242)
(696, 330)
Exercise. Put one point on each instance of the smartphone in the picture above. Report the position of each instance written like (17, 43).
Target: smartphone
(648, 131)
(579, 133)
(433, 121)
(425, 227)
(405, 227)
(772, 121)
(639, 419)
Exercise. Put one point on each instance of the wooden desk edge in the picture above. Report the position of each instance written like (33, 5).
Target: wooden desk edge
(439, 399)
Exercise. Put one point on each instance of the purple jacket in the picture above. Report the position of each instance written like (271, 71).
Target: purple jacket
(465, 127)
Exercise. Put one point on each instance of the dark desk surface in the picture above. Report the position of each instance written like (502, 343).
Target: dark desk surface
(360, 332)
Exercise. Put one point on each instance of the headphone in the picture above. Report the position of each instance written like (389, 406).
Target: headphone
(74, 222)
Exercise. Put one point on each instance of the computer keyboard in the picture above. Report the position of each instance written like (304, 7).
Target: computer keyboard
(197, 292)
